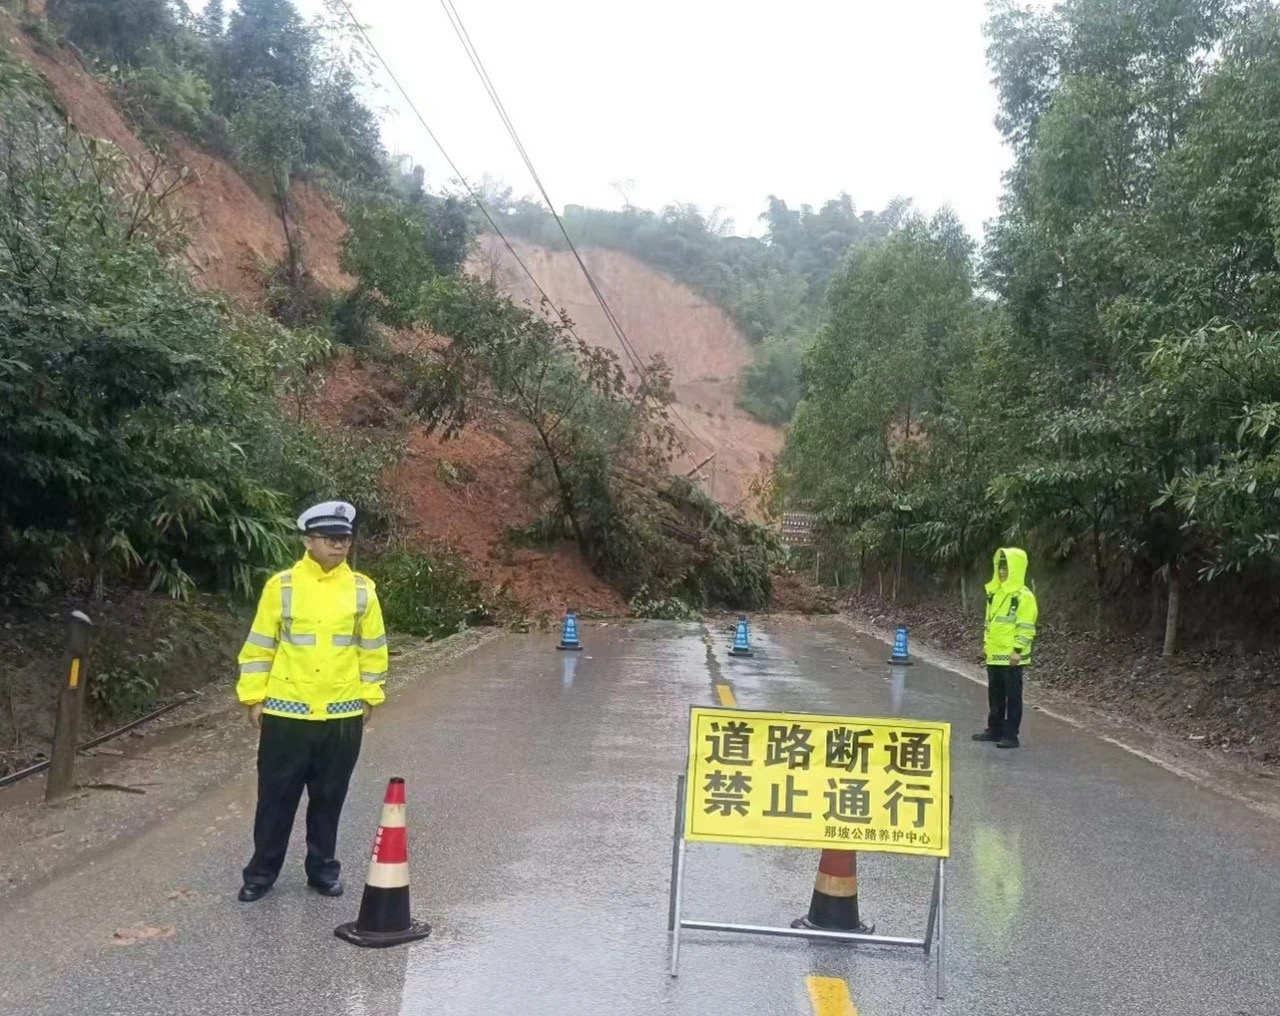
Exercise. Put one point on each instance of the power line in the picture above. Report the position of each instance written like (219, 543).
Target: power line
(475, 197)
(452, 165)
(477, 63)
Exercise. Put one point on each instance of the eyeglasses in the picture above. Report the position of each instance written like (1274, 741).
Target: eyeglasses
(333, 541)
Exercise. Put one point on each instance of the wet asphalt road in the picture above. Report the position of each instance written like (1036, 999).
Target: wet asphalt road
(1083, 879)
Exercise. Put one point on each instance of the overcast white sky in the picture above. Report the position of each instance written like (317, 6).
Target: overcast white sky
(714, 102)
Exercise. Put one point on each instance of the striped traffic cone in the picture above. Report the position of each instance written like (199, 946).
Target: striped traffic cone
(384, 910)
(834, 906)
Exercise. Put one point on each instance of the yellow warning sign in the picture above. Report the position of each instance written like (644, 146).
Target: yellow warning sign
(815, 780)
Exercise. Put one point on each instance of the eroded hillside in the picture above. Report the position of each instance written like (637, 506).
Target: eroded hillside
(464, 492)
(658, 316)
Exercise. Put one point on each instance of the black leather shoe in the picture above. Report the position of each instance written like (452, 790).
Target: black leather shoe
(250, 893)
(986, 735)
(1007, 742)
(327, 888)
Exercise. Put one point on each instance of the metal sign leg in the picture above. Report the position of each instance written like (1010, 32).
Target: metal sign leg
(675, 852)
(677, 876)
(942, 927)
(675, 933)
(933, 911)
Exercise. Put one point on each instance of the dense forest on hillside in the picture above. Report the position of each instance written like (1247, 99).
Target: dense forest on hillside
(1103, 381)
(158, 436)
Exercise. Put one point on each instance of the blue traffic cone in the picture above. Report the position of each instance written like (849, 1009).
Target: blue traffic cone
(741, 640)
(569, 637)
(900, 657)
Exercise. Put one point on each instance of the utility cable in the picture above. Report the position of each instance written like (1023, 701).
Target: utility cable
(477, 63)
(471, 192)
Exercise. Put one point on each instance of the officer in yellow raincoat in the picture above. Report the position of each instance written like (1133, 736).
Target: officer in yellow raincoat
(1007, 639)
(311, 670)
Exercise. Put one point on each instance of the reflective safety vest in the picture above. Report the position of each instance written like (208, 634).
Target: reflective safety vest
(317, 649)
(1011, 611)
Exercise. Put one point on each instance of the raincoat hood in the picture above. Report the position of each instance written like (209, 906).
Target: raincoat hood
(1016, 558)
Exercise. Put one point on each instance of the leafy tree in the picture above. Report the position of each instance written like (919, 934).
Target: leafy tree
(268, 41)
(1078, 484)
(900, 320)
(116, 29)
(979, 429)
(143, 434)
(1093, 95)
(213, 20)
(395, 248)
(599, 446)
(341, 133)
(1223, 388)
(771, 383)
(268, 129)
(813, 244)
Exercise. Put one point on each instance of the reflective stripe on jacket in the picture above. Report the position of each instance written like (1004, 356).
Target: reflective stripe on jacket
(317, 649)
(1011, 611)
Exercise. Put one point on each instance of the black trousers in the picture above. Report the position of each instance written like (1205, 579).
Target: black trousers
(1004, 700)
(319, 755)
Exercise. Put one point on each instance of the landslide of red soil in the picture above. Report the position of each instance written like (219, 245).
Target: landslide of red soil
(466, 493)
(658, 315)
(231, 227)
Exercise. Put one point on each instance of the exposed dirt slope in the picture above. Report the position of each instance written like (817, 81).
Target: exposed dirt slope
(658, 315)
(230, 225)
(467, 493)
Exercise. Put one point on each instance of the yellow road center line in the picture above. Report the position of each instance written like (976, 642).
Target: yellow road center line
(725, 694)
(830, 996)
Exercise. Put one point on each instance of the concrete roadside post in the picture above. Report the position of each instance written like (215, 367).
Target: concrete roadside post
(66, 727)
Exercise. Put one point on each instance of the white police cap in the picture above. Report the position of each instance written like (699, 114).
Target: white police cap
(332, 518)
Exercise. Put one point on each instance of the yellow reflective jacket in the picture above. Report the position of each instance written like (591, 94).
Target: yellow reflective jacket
(1011, 611)
(317, 649)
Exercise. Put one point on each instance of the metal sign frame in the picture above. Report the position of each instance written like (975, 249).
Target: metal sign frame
(676, 922)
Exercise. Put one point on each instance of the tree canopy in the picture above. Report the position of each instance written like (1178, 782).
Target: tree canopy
(1101, 382)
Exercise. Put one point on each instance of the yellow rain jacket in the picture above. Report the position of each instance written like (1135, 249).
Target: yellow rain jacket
(1011, 611)
(317, 649)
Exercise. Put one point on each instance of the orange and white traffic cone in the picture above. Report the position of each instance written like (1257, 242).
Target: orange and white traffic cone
(834, 906)
(384, 910)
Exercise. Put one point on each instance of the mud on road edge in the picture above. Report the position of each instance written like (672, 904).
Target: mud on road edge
(1252, 785)
(128, 786)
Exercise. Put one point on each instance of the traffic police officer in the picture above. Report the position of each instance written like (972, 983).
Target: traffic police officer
(1007, 639)
(311, 670)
